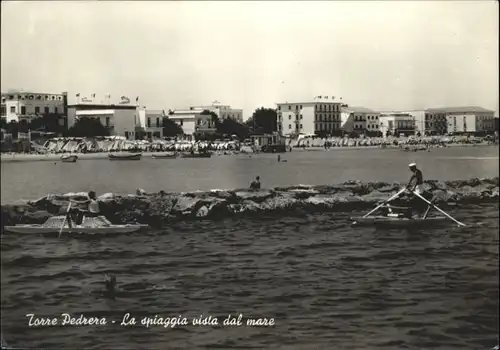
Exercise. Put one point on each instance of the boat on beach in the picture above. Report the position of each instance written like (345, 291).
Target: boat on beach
(164, 156)
(69, 158)
(125, 156)
(196, 155)
(98, 225)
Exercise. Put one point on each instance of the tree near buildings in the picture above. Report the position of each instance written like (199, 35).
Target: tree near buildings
(46, 123)
(263, 121)
(215, 117)
(231, 127)
(227, 127)
(87, 127)
(13, 129)
(3, 123)
(171, 128)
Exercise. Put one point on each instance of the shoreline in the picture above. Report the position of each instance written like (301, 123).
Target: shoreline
(56, 157)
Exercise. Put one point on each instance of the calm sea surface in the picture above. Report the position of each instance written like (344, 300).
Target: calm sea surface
(35, 179)
(326, 284)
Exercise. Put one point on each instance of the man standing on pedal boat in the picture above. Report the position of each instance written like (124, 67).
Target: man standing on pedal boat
(415, 185)
(416, 178)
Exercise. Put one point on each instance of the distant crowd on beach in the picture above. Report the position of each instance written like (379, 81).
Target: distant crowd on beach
(434, 141)
(109, 145)
(62, 145)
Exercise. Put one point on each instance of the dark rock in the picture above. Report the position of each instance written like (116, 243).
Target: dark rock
(158, 208)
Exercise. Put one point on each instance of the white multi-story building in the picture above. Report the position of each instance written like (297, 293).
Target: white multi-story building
(397, 124)
(418, 116)
(320, 116)
(193, 121)
(149, 123)
(359, 119)
(435, 122)
(120, 120)
(119, 115)
(468, 119)
(18, 105)
(222, 111)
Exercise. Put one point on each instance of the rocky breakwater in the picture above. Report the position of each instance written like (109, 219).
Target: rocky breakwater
(157, 209)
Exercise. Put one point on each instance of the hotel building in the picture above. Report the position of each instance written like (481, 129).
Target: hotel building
(320, 116)
(19, 105)
(359, 119)
(119, 116)
(419, 118)
(192, 121)
(397, 124)
(468, 119)
(222, 111)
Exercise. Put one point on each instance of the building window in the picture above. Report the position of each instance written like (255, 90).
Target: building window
(12, 109)
(300, 106)
(289, 117)
(289, 107)
(279, 108)
(289, 126)
(301, 126)
(23, 110)
(149, 122)
(157, 122)
(296, 106)
(181, 122)
(107, 121)
(3, 110)
(126, 133)
(37, 110)
(56, 110)
(46, 110)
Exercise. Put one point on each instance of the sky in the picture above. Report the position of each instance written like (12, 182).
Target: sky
(383, 55)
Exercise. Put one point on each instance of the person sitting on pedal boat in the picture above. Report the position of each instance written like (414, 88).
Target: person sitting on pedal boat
(93, 209)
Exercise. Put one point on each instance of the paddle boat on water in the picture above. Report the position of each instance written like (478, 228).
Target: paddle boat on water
(59, 224)
(400, 216)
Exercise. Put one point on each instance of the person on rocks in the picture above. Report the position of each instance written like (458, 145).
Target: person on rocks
(255, 185)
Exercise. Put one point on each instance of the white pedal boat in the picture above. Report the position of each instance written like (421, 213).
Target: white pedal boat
(97, 225)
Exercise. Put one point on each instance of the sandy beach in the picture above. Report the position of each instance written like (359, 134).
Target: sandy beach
(22, 157)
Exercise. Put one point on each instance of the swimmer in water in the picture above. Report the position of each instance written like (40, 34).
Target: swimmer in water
(110, 286)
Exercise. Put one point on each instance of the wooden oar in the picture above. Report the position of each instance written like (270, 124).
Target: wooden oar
(64, 221)
(387, 201)
(438, 209)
